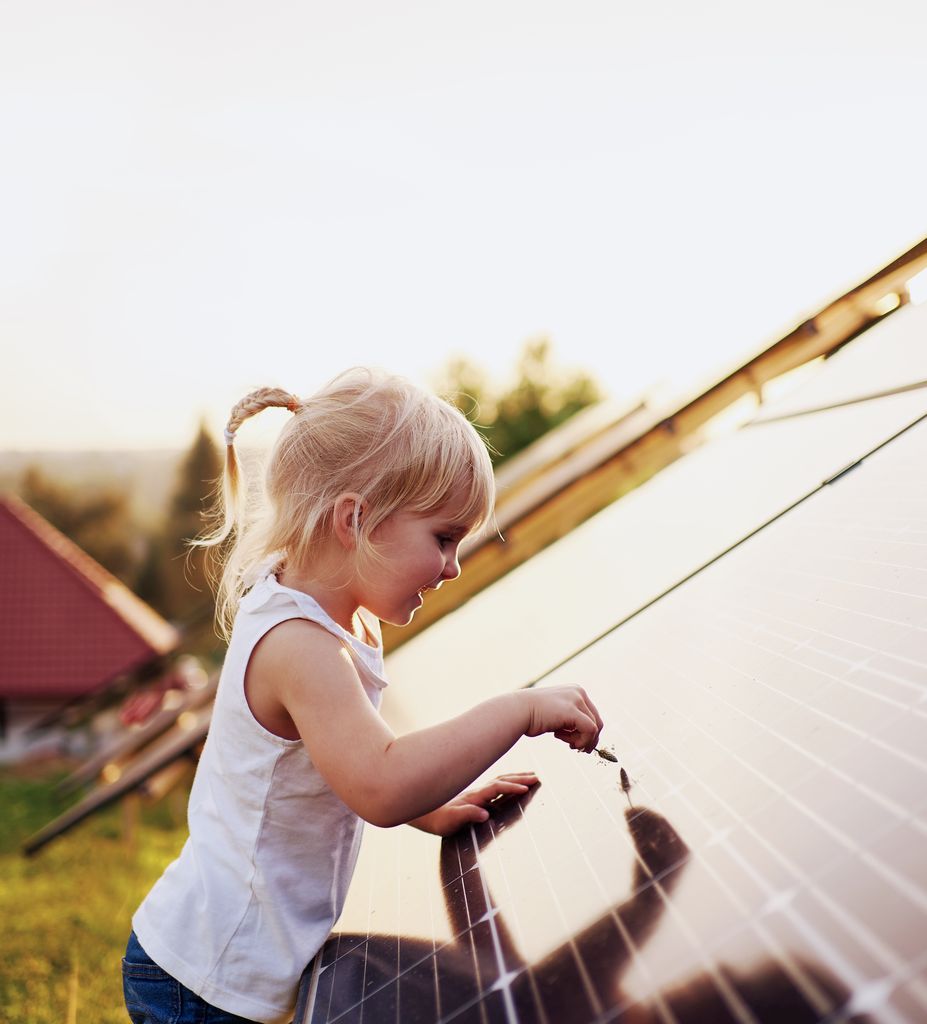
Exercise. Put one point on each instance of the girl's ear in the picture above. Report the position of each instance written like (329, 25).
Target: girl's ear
(348, 513)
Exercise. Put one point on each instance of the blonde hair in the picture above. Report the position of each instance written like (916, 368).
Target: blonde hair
(375, 434)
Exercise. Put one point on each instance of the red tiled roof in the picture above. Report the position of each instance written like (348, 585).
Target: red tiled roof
(66, 625)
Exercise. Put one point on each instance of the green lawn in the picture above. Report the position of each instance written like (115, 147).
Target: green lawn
(66, 910)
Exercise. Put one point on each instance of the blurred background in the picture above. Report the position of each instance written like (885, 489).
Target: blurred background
(601, 199)
(531, 206)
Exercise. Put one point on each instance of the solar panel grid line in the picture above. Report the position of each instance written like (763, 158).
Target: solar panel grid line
(855, 977)
(399, 900)
(905, 887)
(878, 562)
(809, 630)
(732, 999)
(894, 967)
(916, 601)
(910, 890)
(516, 924)
(809, 651)
(503, 974)
(636, 959)
(597, 1007)
(779, 901)
(451, 1012)
(427, 968)
(890, 805)
(886, 534)
(920, 687)
(865, 660)
(888, 957)
(811, 991)
(375, 982)
(336, 1007)
(900, 812)
(829, 954)
(842, 681)
(429, 961)
(433, 912)
(904, 1001)
(914, 977)
(730, 753)
(627, 940)
(884, 568)
(885, 635)
(345, 946)
(663, 1011)
(855, 663)
(363, 985)
(587, 986)
(451, 1002)
(836, 720)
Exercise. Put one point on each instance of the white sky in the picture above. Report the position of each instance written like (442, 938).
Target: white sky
(200, 198)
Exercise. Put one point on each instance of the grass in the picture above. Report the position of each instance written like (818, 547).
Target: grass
(66, 911)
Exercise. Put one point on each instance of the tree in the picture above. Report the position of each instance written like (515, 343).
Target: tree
(174, 578)
(541, 398)
(98, 521)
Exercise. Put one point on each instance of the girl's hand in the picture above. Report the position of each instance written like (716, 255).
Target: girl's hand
(472, 806)
(567, 712)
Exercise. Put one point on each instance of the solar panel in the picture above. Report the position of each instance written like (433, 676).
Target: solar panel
(689, 513)
(767, 858)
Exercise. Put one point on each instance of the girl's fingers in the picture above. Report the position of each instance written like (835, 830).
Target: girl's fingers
(472, 812)
(499, 788)
(583, 735)
(523, 780)
(593, 712)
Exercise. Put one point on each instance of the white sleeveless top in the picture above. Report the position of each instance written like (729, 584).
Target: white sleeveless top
(263, 877)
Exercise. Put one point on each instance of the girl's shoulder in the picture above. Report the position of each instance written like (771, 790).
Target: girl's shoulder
(268, 594)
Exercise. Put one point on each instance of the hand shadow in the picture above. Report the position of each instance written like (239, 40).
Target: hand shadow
(547, 991)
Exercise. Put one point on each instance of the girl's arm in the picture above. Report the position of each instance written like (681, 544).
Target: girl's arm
(386, 779)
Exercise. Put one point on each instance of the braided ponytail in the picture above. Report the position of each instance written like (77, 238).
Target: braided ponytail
(232, 508)
(262, 398)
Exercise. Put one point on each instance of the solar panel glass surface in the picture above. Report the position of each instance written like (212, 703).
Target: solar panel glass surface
(768, 860)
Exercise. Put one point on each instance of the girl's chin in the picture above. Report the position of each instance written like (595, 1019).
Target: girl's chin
(402, 616)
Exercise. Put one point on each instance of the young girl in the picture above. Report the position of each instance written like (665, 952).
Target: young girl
(370, 489)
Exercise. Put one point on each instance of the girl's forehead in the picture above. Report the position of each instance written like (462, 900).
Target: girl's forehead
(453, 512)
(456, 507)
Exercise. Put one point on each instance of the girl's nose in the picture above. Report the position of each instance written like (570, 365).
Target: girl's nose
(451, 568)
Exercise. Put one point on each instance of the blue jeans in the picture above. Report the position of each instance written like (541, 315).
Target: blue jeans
(154, 997)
